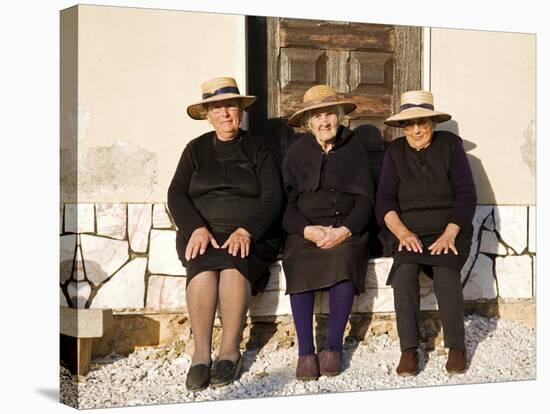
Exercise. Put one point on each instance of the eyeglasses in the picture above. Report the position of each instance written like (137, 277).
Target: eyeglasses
(423, 123)
(218, 108)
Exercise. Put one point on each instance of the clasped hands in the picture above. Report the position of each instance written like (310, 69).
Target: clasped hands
(326, 237)
(444, 243)
(239, 240)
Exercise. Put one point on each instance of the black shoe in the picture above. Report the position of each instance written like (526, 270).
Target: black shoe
(225, 372)
(198, 377)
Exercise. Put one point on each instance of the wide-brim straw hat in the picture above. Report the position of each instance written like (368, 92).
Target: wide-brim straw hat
(320, 96)
(218, 89)
(416, 104)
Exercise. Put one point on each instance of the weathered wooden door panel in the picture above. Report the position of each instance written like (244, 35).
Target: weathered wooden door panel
(335, 35)
(370, 63)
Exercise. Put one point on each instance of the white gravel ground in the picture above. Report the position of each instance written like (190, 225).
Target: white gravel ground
(498, 350)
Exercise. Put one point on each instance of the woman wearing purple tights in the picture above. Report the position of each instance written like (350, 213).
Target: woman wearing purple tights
(330, 193)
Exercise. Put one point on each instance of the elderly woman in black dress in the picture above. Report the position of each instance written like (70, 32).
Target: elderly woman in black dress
(225, 196)
(426, 198)
(330, 192)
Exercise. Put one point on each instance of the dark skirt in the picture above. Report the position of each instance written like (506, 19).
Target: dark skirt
(426, 259)
(307, 267)
(254, 267)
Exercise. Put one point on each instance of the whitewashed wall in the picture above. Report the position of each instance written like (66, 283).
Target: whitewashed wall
(487, 82)
(124, 123)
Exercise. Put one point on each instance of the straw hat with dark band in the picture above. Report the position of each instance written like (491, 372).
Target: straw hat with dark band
(416, 104)
(218, 89)
(320, 96)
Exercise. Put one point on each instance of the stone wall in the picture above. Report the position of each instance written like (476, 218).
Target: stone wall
(123, 256)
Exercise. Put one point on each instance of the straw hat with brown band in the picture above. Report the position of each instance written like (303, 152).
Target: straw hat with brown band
(320, 96)
(416, 104)
(218, 89)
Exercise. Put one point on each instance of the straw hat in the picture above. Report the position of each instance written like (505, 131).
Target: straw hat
(416, 104)
(218, 89)
(320, 96)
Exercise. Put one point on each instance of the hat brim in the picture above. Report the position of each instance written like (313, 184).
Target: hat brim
(414, 113)
(198, 110)
(296, 118)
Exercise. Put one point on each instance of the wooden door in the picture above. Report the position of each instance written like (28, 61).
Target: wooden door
(370, 63)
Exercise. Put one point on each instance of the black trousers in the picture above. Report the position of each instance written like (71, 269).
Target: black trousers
(448, 292)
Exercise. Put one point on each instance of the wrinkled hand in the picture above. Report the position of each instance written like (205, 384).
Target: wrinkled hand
(444, 243)
(410, 241)
(315, 233)
(238, 240)
(333, 237)
(198, 242)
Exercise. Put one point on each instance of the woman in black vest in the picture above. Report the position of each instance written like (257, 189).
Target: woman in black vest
(225, 197)
(330, 192)
(426, 198)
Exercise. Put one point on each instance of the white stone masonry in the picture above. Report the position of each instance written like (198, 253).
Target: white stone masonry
(511, 224)
(111, 220)
(139, 224)
(126, 289)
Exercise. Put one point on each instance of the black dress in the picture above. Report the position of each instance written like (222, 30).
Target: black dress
(223, 186)
(428, 189)
(329, 189)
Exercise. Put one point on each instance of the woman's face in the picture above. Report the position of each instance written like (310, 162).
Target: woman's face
(419, 132)
(225, 116)
(323, 123)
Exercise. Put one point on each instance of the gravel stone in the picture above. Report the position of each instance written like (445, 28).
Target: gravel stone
(498, 350)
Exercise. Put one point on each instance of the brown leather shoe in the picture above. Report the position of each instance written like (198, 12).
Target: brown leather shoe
(308, 368)
(456, 361)
(330, 363)
(408, 364)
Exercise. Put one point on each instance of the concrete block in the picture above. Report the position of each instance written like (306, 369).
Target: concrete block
(85, 323)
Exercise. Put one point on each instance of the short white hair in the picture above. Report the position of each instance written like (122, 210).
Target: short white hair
(307, 117)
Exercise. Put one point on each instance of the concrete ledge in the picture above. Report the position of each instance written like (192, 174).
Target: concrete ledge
(85, 323)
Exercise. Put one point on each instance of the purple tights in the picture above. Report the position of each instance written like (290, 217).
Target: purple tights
(340, 302)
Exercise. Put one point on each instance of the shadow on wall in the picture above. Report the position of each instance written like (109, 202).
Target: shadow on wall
(78, 290)
(484, 189)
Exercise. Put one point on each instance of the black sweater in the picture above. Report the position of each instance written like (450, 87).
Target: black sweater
(428, 188)
(226, 185)
(334, 188)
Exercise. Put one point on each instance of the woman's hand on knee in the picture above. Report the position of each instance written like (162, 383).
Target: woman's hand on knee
(238, 240)
(198, 243)
(410, 241)
(446, 241)
(443, 244)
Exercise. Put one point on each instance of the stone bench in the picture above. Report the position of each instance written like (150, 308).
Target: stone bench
(78, 327)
